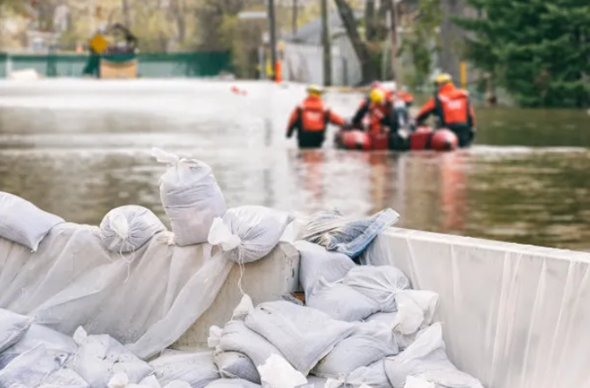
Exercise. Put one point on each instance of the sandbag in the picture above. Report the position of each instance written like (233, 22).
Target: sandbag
(197, 369)
(302, 334)
(30, 368)
(416, 310)
(276, 372)
(64, 378)
(55, 343)
(237, 337)
(24, 223)
(99, 357)
(426, 359)
(191, 197)
(315, 262)
(128, 228)
(13, 327)
(232, 383)
(234, 365)
(348, 236)
(373, 375)
(341, 302)
(369, 343)
(248, 233)
(378, 283)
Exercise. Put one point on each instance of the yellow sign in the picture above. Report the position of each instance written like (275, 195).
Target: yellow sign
(98, 43)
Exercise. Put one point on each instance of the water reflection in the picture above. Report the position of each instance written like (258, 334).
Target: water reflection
(79, 154)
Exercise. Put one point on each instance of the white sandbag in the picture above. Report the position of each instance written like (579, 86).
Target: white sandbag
(30, 368)
(316, 262)
(99, 357)
(24, 223)
(378, 283)
(316, 382)
(386, 318)
(177, 384)
(391, 320)
(128, 228)
(248, 233)
(426, 359)
(370, 343)
(372, 375)
(55, 343)
(341, 302)
(234, 365)
(151, 382)
(13, 327)
(414, 382)
(197, 369)
(191, 197)
(276, 372)
(64, 378)
(415, 310)
(237, 337)
(232, 383)
(302, 334)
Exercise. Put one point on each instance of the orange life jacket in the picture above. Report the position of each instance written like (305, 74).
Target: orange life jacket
(452, 105)
(313, 115)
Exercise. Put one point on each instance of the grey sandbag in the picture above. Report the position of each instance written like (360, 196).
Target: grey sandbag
(55, 343)
(232, 383)
(13, 327)
(427, 359)
(196, 369)
(370, 343)
(128, 228)
(341, 302)
(30, 368)
(373, 375)
(316, 262)
(233, 365)
(237, 337)
(379, 283)
(24, 223)
(302, 334)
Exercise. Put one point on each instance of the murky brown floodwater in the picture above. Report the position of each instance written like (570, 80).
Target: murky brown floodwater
(79, 148)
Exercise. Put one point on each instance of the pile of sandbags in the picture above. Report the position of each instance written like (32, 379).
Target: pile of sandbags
(361, 326)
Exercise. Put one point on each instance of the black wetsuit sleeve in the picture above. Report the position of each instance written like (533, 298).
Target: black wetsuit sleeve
(360, 113)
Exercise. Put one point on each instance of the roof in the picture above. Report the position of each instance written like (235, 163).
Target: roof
(311, 33)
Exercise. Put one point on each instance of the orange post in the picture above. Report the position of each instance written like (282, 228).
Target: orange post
(278, 72)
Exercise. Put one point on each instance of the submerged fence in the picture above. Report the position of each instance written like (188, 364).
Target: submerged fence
(159, 65)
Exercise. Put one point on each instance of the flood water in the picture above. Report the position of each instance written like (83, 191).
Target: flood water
(79, 148)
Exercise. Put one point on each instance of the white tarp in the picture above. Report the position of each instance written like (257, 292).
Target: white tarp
(514, 316)
(146, 299)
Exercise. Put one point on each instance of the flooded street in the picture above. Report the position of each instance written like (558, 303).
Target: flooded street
(79, 148)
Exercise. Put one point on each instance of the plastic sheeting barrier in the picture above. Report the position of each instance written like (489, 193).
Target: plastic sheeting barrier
(514, 316)
(73, 281)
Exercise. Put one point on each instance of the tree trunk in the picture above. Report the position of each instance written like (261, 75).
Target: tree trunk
(369, 71)
(370, 22)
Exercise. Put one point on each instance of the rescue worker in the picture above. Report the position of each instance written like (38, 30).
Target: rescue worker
(311, 118)
(378, 107)
(452, 109)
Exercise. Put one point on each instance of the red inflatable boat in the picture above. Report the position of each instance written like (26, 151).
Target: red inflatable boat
(424, 138)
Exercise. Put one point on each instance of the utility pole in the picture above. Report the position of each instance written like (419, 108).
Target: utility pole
(273, 37)
(295, 17)
(395, 42)
(326, 44)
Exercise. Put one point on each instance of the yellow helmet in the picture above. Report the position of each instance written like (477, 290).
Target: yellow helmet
(315, 90)
(377, 96)
(443, 79)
